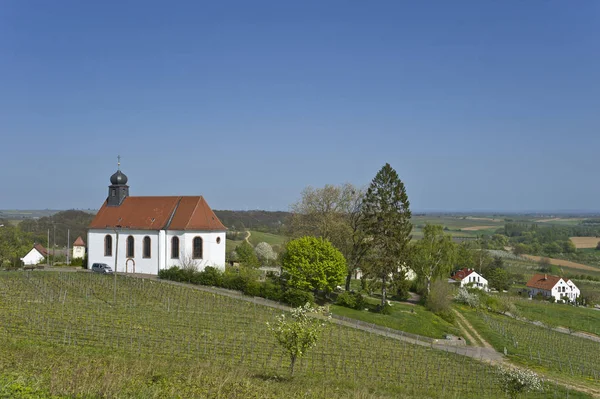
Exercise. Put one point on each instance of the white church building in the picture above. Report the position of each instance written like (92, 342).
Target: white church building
(148, 234)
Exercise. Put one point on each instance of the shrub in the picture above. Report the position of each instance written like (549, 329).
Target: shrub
(385, 309)
(468, 298)
(401, 288)
(296, 297)
(77, 262)
(211, 276)
(352, 300)
(271, 290)
(172, 273)
(439, 298)
(514, 381)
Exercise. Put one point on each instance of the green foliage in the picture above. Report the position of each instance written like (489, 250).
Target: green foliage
(246, 255)
(498, 279)
(352, 300)
(467, 297)
(313, 264)
(433, 255)
(386, 220)
(296, 297)
(299, 332)
(439, 300)
(76, 222)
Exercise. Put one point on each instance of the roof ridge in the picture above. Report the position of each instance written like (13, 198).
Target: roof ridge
(166, 226)
(193, 212)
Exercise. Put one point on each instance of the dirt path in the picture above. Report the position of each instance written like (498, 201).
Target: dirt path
(562, 262)
(248, 236)
(466, 323)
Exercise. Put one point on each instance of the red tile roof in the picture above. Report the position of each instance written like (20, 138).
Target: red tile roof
(158, 213)
(79, 242)
(41, 249)
(543, 282)
(461, 274)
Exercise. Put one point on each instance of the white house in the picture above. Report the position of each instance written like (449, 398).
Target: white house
(35, 256)
(553, 286)
(148, 234)
(78, 248)
(470, 278)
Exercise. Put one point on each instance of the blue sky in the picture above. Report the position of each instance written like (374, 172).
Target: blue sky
(479, 105)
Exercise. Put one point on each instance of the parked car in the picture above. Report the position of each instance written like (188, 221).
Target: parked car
(101, 268)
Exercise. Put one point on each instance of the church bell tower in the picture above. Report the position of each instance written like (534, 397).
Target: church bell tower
(118, 189)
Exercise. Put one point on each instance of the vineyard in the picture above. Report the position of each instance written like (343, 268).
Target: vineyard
(74, 334)
(543, 347)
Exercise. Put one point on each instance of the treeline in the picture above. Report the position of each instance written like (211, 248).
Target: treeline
(265, 221)
(59, 224)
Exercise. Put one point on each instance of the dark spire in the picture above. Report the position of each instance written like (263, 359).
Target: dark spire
(118, 189)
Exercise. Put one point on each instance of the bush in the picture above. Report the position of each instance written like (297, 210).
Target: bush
(211, 276)
(295, 297)
(172, 273)
(468, 298)
(385, 309)
(401, 288)
(439, 298)
(77, 262)
(352, 300)
(271, 290)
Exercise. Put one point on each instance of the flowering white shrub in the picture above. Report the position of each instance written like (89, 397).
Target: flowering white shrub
(515, 380)
(468, 298)
(265, 252)
(299, 332)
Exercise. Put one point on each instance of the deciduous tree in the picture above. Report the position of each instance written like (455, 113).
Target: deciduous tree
(386, 222)
(246, 255)
(433, 255)
(264, 252)
(313, 263)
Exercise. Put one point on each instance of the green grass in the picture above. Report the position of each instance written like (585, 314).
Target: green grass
(63, 335)
(538, 347)
(272, 239)
(414, 319)
(230, 245)
(561, 315)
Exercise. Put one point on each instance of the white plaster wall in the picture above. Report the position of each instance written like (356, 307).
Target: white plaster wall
(482, 283)
(78, 252)
(33, 257)
(213, 253)
(142, 265)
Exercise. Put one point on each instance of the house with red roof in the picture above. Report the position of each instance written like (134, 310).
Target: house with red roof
(148, 234)
(35, 256)
(78, 248)
(469, 278)
(553, 287)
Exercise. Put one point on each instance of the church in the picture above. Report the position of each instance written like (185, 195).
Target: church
(148, 234)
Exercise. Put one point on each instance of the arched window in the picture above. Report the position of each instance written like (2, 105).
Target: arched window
(107, 245)
(147, 252)
(175, 248)
(130, 251)
(197, 248)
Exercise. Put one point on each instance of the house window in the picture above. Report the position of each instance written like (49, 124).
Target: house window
(175, 248)
(107, 245)
(147, 251)
(197, 248)
(130, 243)
(218, 240)
(113, 192)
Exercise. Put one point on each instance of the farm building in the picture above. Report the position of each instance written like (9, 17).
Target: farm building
(553, 286)
(78, 248)
(148, 234)
(469, 277)
(35, 256)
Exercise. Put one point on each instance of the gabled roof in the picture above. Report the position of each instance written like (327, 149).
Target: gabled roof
(158, 213)
(543, 282)
(462, 273)
(40, 249)
(79, 242)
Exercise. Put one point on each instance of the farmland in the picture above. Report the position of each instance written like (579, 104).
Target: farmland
(67, 334)
(585, 242)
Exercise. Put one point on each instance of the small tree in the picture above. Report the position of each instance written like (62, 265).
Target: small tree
(433, 255)
(264, 252)
(313, 264)
(298, 333)
(246, 254)
(516, 381)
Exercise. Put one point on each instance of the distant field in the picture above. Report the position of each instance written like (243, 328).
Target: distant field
(562, 262)
(475, 228)
(585, 242)
(272, 239)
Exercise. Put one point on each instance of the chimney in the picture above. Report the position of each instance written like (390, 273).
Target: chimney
(545, 276)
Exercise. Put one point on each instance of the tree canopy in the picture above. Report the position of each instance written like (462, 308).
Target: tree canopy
(246, 255)
(433, 255)
(313, 264)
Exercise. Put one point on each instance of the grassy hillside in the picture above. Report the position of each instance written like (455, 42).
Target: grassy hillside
(561, 315)
(65, 335)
